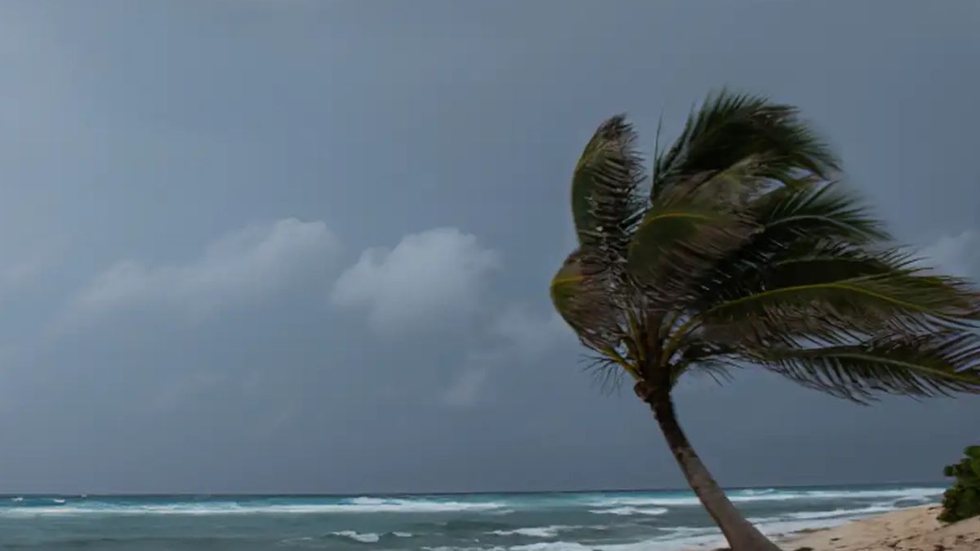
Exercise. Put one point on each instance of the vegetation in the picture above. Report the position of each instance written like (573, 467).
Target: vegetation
(741, 250)
(962, 500)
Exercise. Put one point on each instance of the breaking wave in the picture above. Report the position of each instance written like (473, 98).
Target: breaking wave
(354, 505)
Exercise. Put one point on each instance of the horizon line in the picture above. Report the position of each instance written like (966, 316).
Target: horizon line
(459, 493)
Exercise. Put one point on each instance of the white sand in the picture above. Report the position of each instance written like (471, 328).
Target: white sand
(914, 529)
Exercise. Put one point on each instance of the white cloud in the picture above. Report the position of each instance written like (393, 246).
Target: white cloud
(523, 337)
(429, 277)
(241, 266)
(957, 255)
(531, 334)
(465, 389)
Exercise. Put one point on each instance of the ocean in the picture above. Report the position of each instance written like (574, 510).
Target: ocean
(608, 521)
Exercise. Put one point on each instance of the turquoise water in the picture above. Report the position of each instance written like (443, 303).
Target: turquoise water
(608, 521)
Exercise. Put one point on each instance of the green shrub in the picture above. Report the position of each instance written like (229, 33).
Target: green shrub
(962, 500)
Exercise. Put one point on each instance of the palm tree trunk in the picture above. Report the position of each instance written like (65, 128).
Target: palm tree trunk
(740, 533)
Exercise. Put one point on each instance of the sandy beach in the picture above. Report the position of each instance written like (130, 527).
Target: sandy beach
(914, 529)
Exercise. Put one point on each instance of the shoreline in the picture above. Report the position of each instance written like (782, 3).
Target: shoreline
(910, 529)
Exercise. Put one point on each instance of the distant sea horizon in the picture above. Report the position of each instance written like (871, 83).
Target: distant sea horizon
(586, 489)
(608, 520)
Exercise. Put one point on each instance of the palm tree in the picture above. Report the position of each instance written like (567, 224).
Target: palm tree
(742, 250)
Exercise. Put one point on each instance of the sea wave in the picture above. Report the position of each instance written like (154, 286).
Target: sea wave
(357, 536)
(343, 535)
(811, 515)
(535, 532)
(393, 505)
(628, 511)
(771, 494)
(645, 545)
(355, 505)
(902, 494)
(654, 544)
(784, 527)
(553, 546)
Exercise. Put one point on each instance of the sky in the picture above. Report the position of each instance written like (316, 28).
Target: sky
(304, 246)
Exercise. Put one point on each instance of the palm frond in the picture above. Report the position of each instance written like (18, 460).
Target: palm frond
(674, 242)
(606, 373)
(804, 209)
(704, 357)
(728, 128)
(793, 220)
(605, 201)
(917, 365)
(585, 302)
(838, 309)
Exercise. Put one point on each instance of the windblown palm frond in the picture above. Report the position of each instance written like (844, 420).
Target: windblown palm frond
(791, 221)
(767, 139)
(675, 241)
(587, 304)
(869, 303)
(932, 364)
(748, 253)
(605, 200)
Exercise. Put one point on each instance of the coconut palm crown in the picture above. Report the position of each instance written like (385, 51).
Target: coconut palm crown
(742, 250)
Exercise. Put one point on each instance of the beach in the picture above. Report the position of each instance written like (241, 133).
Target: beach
(912, 529)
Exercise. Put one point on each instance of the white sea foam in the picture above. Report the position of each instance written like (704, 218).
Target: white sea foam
(919, 494)
(677, 538)
(690, 537)
(711, 538)
(535, 532)
(628, 511)
(357, 536)
(383, 505)
(539, 532)
(914, 494)
(898, 494)
(646, 545)
(682, 537)
(551, 546)
(356, 505)
(787, 527)
(812, 515)
(628, 501)
(656, 544)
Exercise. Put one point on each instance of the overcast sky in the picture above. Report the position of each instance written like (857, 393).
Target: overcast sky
(290, 246)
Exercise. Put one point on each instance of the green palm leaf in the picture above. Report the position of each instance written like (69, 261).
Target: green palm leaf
(835, 309)
(730, 128)
(674, 242)
(584, 302)
(917, 365)
(605, 203)
(794, 221)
